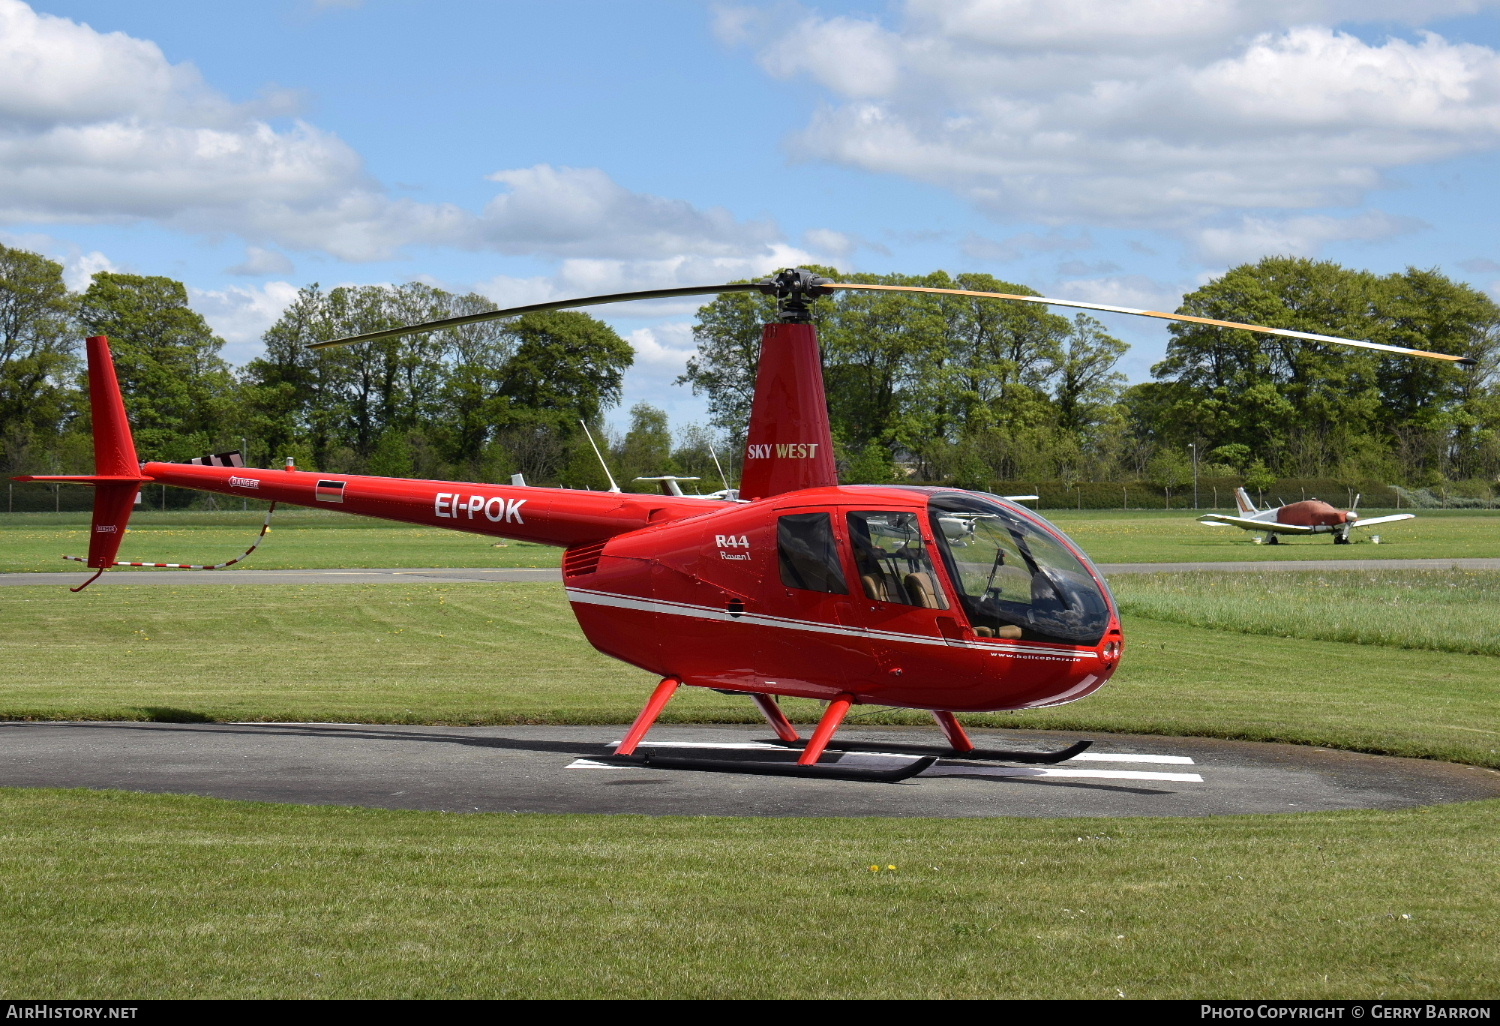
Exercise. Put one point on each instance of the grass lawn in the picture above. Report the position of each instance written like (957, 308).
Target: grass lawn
(1175, 536)
(512, 653)
(31, 542)
(108, 894)
(122, 895)
(299, 539)
(1442, 610)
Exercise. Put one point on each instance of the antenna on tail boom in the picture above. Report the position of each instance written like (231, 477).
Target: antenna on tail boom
(612, 486)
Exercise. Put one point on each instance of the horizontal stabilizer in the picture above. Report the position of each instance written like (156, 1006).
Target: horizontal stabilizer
(219, 459)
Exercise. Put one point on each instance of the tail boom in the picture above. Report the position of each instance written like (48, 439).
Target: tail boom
(549, 516)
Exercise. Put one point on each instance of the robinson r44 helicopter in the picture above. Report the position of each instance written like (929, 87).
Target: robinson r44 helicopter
(929, 598)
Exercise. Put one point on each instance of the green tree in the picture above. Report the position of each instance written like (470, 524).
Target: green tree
(1310, 407)
(178, 391)
(38, 344)
(567, 367)
(1084, 374)
(1169, 470)
(647, 448)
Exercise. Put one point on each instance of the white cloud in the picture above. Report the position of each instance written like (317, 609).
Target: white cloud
(978, 247)
(1133, 290)
(569, 212)
(102, 128)
(662, 350)
(259, 262)
(240, 314)
(1151, 113)
(1254, 237)
(79, 268)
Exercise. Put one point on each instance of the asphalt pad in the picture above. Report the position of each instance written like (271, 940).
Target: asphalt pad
(568, 769)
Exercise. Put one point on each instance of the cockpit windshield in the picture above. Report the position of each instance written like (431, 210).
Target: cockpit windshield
(1014, 578)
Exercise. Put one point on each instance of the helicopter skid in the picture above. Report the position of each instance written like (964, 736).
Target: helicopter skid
(972, 755)
(822, 771)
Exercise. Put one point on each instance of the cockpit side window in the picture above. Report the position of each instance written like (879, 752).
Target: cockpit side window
(808, 554)
(892, 559)
(1014, 579)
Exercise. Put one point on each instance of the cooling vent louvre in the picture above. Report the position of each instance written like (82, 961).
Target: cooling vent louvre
(582, 559)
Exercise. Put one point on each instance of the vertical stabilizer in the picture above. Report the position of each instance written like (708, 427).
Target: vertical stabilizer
(114, 457)
(117, 476)
(789, 445)
(114, 448)
(1242, 500)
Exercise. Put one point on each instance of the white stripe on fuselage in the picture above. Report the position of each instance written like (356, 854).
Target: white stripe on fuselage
(999, 647)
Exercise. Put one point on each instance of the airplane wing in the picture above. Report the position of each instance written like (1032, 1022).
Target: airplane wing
(1218, 519)
(1372, 521)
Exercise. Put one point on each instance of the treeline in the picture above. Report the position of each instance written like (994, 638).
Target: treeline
(920, 388)
(976, 392)
(480, 402)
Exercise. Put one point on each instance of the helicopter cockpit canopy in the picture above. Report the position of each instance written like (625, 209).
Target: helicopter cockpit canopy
(1014, 577)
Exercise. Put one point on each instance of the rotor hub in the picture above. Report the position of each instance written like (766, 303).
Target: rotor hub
(795, 288)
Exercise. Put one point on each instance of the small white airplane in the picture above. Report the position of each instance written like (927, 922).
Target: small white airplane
(667, 484)
(1310, 516)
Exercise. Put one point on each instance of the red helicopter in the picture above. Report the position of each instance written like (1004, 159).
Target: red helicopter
(929, 598)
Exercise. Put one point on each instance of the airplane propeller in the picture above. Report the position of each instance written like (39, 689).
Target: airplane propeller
(795, 288)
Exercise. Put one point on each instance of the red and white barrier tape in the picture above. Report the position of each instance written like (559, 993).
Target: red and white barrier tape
(191, 566)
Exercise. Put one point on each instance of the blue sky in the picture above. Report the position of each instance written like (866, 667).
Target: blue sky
(1122, 151)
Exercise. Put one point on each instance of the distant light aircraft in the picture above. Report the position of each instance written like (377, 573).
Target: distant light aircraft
(1310, 516)
(668, 484)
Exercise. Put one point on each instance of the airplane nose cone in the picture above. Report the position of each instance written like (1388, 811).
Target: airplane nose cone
(1350, 517)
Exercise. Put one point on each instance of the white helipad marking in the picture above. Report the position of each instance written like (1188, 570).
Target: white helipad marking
(591, 764)
(1176, 760)
(950, 770)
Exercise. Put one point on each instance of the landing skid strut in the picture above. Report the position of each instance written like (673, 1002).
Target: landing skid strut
(811, 750)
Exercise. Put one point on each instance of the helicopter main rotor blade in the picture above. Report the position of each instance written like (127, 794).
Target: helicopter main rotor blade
(1468, 361)
(516, 311)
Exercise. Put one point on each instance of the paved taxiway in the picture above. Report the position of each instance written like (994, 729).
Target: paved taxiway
(552, 769)
(438, 575)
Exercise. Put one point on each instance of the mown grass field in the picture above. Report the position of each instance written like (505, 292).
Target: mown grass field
(119, 895)
(115, 894)
(1439, 610)
(31, 542)
(1175, 536)
(299, 539)
(512, 653)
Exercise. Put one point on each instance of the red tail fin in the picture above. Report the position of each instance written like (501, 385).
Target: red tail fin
(117, 474)
(790, 445)
(114, 449)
